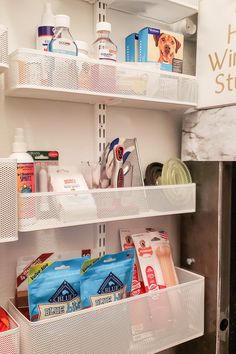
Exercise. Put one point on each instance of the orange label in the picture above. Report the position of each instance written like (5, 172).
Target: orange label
(25, 177)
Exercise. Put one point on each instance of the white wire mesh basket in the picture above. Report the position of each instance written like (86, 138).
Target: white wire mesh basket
(3, 48)
(50, 210)
(55, 76)
(10, 340)
(8, 201)
(143, 324)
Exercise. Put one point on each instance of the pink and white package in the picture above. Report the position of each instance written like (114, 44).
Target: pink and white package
(137, 281)
(148, 261)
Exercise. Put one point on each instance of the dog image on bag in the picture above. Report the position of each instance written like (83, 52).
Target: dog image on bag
(168, 47)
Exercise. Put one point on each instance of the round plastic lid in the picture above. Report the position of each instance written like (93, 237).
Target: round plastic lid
(62, 21)
(103, 26)
(81, 45)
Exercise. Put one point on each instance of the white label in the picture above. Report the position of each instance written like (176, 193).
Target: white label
(43, 42)
(63, 46)
(56, 309)
(107, 54)
(107, 298)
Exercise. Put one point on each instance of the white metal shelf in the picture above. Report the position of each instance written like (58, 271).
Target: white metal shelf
(51, 210)
(8, 200)
(35, 74)
(3, 49)
(143, 324)
(168, 11)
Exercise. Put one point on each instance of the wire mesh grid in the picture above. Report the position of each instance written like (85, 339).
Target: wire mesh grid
(3, 48)
(48, 210)
(39, 70)
(8, 201)
(10, 340)
(143, 324)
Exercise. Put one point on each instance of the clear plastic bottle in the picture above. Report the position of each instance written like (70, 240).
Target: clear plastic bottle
(103, 77)
(62, 41)
(103, 48)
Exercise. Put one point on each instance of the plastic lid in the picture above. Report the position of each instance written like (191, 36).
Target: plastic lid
(81, 45)
(19, 144)
(48, 19)
(103, 26)
(62, 21)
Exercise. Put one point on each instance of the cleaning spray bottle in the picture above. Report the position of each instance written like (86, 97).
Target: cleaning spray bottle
(45, 31)
(25, 163)
(25, 178)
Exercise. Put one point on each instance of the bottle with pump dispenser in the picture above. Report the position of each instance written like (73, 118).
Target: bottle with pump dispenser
(45, 31)
(25, 177)
(103, 48)
(62, 41)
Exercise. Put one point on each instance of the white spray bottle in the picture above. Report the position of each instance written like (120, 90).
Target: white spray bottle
(25, 178)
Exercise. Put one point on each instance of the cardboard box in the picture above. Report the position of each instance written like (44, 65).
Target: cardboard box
(161, 46)
(131, 48)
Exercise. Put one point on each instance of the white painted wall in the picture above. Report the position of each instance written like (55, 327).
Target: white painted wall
(69, 128)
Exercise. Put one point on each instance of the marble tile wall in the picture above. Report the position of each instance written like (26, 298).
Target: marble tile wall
(210, 135)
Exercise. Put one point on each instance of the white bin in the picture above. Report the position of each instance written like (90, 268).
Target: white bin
(45, 75)
(8, 201)
(39, 211)
(10, 340)
(3, 48)
(144, 324)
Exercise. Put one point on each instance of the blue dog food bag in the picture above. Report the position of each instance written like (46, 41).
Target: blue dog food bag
(54, 288)
(107, 279)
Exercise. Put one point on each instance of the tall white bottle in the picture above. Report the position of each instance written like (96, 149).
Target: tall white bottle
(25, 177)
(45, 31)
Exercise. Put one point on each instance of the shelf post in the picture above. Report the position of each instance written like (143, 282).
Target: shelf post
(100, 131)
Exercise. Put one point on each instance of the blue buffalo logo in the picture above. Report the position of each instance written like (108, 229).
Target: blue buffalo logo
(64, 293)
(110, 285)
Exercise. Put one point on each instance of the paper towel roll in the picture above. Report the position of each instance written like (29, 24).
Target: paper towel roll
(187, 27)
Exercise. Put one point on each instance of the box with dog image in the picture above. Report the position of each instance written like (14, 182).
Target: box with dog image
(161, 46)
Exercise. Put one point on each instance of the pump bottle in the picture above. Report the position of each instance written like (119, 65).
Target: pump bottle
(45, 31)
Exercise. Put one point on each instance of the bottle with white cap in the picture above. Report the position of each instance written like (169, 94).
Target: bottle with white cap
(103, 47)
(62, 41)
(46, 29)
(25, 163)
